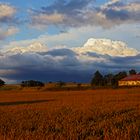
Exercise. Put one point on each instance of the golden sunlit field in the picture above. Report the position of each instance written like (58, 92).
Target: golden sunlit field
(103, 114)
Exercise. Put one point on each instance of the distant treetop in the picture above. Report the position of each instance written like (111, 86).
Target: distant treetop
(132, 72)
(2, 82)
(32, 83)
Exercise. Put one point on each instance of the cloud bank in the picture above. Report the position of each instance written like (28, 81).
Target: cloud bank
(69, 64)
(107, 47)
(85, 12)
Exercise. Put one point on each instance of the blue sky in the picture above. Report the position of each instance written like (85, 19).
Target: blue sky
(23, 7)
(31, 28)
(28, 4)
(67, 23)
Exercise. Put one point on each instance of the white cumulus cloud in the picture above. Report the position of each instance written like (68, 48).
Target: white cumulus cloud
(107, 47)
(34, 47)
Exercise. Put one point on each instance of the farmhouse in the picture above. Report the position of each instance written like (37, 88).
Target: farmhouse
(131, 80)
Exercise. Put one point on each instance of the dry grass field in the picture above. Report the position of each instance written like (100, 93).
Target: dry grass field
(104, 114)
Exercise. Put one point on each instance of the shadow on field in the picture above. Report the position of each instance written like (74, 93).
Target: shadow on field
(24, 102)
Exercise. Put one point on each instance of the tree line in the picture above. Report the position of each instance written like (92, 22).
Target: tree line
(32, 83)
(97, 80)
(109, 79)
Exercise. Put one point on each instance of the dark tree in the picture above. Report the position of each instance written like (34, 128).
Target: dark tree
(97, 79)
(108, 79)
(2, 83)
(132, 72)
(118, 77)
(32, 83)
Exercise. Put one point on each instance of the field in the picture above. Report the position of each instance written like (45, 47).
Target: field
(103, 114)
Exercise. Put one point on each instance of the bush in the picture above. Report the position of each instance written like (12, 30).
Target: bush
(32, 83)
(2, 82)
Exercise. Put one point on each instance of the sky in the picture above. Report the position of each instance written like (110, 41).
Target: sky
(52, 40)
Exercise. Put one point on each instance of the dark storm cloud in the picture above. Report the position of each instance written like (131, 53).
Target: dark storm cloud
(60, 52)
(93, 54)
(61, 64)
(131, 61)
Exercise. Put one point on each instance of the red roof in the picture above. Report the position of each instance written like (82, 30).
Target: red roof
(135, 77)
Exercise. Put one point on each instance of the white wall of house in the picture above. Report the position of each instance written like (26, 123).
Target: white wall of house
(129, 83)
